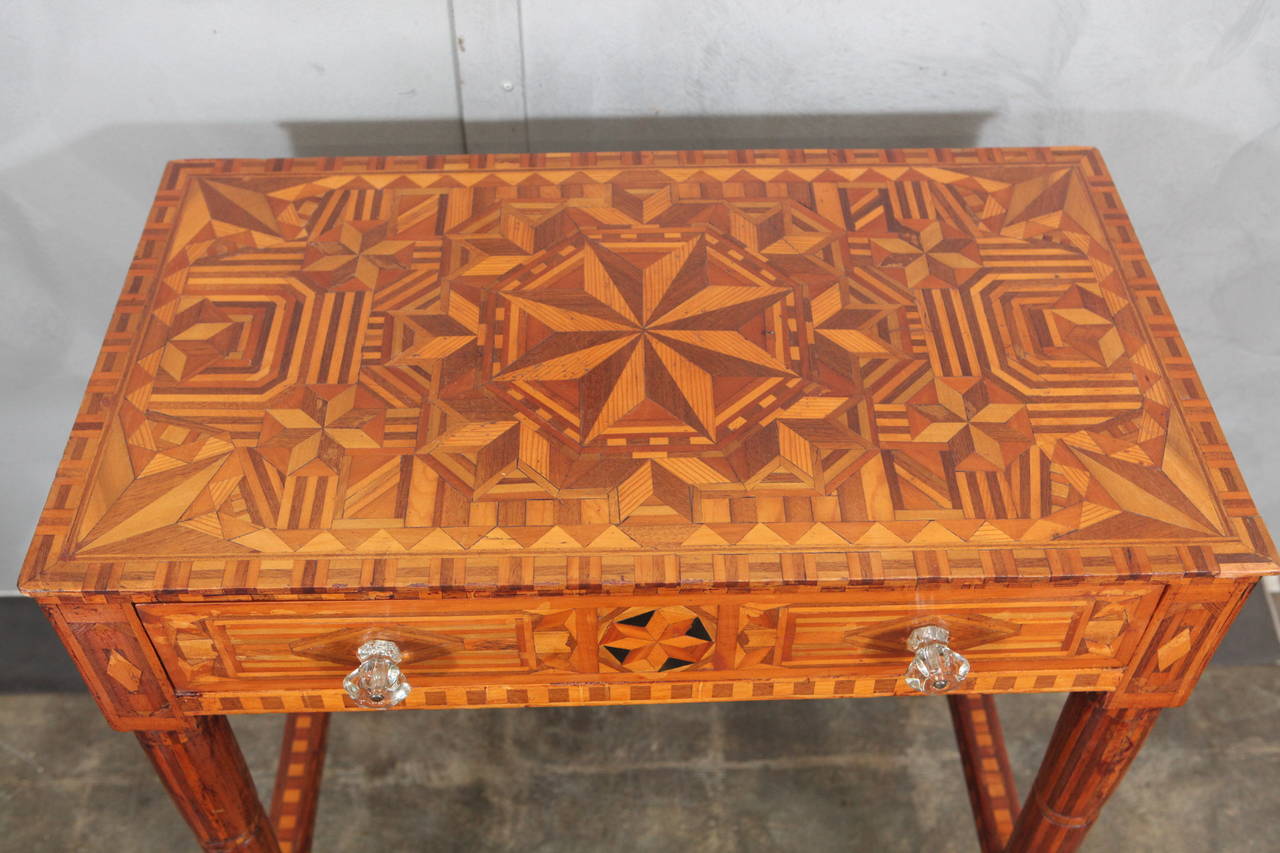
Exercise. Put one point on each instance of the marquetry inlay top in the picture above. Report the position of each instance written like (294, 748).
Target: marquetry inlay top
(576, 370)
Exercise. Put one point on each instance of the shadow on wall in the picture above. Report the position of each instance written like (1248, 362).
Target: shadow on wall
(876, 130)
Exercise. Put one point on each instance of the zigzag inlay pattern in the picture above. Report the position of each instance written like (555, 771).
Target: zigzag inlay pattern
(606, 354)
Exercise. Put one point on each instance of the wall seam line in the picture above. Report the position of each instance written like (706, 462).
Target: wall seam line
(457, 76)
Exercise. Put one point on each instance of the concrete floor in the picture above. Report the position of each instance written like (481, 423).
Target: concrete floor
(821, 775)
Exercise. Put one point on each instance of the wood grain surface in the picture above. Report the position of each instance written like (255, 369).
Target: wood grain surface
(1091, 750)
(987, 771)
(205, 773)
(210, 648)
(581, 429)
(297, 790)
(598, 372)
(118, 663)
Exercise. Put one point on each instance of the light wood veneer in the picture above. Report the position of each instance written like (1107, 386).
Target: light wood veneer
(642, 427)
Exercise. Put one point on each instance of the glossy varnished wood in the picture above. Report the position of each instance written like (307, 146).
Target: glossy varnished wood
(987, 772)
(600, 371)
(593, 428)
(1092, 748)
(1020, 638)
(204, 771)
(119, 665)
(297, 788)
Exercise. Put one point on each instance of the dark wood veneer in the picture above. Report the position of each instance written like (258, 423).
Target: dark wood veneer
(642, 427)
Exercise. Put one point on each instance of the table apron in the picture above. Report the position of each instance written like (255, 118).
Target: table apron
(265, 656)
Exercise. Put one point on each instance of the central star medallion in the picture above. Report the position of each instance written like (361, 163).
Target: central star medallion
(665, 338)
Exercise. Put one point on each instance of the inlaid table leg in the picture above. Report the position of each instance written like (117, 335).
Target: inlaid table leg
(297, 791)
(206, 775)
(986, 768)
(1090, 751)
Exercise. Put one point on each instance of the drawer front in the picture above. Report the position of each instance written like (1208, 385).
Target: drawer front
(1011, 634)
(1077, 631)
(248, 644)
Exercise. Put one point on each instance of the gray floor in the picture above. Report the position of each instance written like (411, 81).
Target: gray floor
(818, 775)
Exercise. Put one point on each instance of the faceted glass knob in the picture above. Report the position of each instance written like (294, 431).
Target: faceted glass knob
(376, 682)
(935, 668)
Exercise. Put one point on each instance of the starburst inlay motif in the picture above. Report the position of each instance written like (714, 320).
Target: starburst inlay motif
(638, 357)
(654, 334)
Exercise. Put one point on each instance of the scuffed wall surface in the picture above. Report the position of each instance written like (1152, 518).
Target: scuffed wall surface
(1183, 98)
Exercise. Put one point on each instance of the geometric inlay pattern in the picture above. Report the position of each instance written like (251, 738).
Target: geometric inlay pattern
(642, 639)
(1098, 628)
(761, 352)
(122, 671)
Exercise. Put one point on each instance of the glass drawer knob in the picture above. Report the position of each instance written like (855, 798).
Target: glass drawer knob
(935, 667)
(376, 682)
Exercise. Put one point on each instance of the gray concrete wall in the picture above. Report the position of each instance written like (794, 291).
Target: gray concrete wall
(1183, 98)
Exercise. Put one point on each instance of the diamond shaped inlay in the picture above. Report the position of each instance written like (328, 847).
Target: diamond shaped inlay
(123, 672)
(1174, 650)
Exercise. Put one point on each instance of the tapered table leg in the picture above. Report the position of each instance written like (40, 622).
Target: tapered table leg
(1091, 749)
(986, 768)
(297, 792)
(210, 784)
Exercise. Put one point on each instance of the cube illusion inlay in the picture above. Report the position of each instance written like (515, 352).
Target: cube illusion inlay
(770, 352)
(638, 427)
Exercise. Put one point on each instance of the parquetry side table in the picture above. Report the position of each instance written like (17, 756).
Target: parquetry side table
(584, 429)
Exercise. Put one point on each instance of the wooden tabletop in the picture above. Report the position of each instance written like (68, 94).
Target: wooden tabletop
(605, 372)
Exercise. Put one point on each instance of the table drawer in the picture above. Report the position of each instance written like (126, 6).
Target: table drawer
(252, 647)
